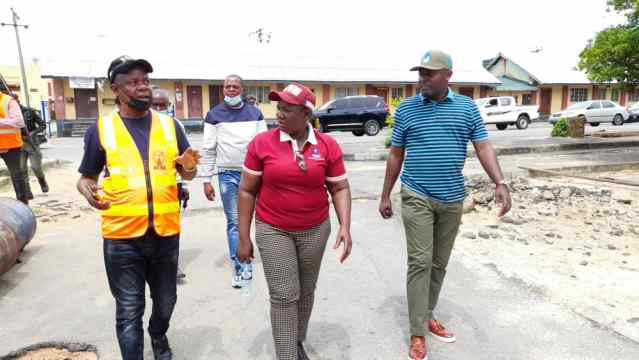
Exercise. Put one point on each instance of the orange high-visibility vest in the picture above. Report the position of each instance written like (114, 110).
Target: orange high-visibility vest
(10, 137)
(137, 191)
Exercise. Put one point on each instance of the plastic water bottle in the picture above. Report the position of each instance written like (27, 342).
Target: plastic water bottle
(247, 282)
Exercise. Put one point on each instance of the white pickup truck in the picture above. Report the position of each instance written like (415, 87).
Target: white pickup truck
(503, 111)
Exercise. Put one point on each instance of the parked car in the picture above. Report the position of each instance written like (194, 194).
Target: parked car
(192, 125)
(594, 112)
(365, 114)
(633, 112)
(503, 111)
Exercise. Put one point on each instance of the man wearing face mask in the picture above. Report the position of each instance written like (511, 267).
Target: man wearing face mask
(228, 129)
(140, 152)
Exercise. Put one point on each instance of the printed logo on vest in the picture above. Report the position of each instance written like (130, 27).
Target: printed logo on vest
(158, 160)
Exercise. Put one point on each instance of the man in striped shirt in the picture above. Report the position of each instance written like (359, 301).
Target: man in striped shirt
(430, 136)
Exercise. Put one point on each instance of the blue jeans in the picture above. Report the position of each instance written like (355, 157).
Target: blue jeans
(229, 186)
(130, 264)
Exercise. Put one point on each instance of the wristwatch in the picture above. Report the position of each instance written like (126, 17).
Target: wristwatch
(502, 182)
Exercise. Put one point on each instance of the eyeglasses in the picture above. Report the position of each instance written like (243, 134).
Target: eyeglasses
(301, 162)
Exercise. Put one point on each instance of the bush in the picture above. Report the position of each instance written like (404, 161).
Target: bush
(560, 129)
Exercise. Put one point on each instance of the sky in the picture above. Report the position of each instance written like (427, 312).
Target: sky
(385, 34)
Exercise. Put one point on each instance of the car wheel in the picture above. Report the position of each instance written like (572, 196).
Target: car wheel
(594, 124)
(522, 122)
(617, 120)
(371, 127)
(358, 132)
(502, 126)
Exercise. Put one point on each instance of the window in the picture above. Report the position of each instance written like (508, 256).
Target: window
(633, 95)
(601, 93)
(526, 99)
(342, 92)
(357, 103)
(260, 93)
(505, 101)
(615, 95)
(579, 94)
(608, 105)
(397, 93)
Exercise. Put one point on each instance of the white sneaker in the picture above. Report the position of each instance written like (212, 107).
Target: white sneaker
(236, 282)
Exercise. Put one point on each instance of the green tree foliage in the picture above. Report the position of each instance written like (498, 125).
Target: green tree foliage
(613, 56)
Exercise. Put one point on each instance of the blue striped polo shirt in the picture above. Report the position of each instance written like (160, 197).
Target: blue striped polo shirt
(435, 136)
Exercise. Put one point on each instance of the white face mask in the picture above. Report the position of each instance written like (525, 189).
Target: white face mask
(233, 100)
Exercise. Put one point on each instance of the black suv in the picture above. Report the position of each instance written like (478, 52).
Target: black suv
(359, 114)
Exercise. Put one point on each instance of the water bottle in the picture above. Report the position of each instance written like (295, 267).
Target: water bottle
(247, 281)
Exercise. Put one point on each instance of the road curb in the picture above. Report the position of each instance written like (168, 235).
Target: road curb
(382, 155)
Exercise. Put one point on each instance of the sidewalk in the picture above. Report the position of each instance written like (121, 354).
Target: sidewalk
(356, 152)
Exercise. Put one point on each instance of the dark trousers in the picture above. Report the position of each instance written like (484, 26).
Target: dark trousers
(130, 265)
(12, 160)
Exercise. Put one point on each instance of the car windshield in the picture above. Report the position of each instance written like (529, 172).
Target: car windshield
(580, 105)
(327, 105)
(480, 102)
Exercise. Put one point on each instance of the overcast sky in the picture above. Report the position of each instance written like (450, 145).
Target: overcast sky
(359, 33)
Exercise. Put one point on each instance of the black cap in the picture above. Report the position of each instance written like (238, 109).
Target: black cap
(124, 64)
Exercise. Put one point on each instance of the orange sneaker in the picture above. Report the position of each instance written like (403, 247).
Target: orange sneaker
(417, 350)
(439, 332)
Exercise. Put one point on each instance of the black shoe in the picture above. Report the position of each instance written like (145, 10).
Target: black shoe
(43, 185)
(301, 353)
(161, 349)
(29, 196)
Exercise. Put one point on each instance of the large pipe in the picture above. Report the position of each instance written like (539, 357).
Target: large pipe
(17, 228)
(8, 248)
(20, 218)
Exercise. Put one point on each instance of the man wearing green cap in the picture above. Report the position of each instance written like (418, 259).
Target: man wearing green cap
(430, 136)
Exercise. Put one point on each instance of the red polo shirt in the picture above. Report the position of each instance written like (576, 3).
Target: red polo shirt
(291, 199)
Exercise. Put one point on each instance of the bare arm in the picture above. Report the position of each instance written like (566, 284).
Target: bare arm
(89, 188)
(488, 159)
(393, 168)
(247, 194)
(341, 195)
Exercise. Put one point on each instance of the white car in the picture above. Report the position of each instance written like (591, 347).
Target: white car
(633, 112)
(594, 112)
(503, 111)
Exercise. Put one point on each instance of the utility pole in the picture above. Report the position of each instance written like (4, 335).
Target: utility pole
(24, 75)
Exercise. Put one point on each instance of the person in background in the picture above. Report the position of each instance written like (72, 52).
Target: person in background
(11, 124)
(161, 103)
(228, 129)
(33, 136)
(293, 168)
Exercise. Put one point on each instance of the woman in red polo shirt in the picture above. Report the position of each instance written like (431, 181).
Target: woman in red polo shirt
(291, 168)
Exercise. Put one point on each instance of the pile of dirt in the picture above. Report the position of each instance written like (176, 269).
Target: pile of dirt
(57, 354)
(575, 241)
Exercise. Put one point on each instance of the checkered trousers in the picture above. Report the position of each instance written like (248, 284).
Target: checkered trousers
(291, 263)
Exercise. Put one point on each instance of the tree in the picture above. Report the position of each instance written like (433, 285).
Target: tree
(613, 56)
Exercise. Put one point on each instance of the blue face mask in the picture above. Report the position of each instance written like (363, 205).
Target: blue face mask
(233, 100)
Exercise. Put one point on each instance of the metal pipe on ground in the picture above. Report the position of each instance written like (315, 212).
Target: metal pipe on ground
(17, 228)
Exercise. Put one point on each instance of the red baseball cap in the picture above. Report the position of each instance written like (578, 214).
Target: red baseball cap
(296, 94)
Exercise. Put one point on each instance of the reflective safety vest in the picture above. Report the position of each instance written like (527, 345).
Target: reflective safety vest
(10, 137)
(142, 194)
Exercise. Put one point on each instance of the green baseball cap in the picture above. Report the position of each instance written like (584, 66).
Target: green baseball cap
(434, 60)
